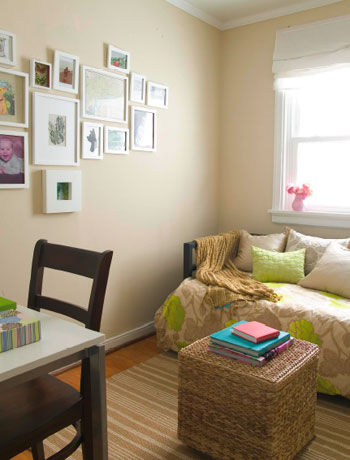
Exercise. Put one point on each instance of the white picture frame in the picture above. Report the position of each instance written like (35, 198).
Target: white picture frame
(13, 98)
(61, 190)
(137, 88)
(104, 95)
(7, 48)
(143, 129)
(40, 74)
(66, 72)
(92, 140)
(157, 95)
(118, 59)
(116, 140)
(55, 130)
(14, 172)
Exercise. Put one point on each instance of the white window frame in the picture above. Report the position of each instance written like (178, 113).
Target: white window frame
(282, 154)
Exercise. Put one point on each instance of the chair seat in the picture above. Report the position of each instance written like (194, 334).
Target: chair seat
(35, 410)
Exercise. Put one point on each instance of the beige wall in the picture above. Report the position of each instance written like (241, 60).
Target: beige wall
(247, 128)
(142, 206)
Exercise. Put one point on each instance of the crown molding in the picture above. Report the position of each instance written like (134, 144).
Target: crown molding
(251, 19)
(208, 18)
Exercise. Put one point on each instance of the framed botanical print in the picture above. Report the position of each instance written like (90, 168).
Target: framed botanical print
(13, 98)
(143, 129)
(92, 141)
(137, 87)
(66, 72)
(55, 130)
(116, 140)
(7, 48)
(61, 190)
(105, 95)
(14, 159)
(40, 74)
(118, 59)
(157, 95)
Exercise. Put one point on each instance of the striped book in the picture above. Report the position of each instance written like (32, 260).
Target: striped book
(252, 360)
(18, 329)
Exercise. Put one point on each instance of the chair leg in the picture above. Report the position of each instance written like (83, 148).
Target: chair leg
(38, 451)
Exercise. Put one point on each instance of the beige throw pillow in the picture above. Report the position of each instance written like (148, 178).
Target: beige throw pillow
(332, 272)
(315, 247)
(274, 242)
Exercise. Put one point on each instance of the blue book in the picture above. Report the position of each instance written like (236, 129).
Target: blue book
(225, 338)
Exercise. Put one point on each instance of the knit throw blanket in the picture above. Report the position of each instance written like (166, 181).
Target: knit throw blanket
(225, 282)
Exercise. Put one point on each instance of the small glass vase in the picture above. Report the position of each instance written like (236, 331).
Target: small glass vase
(298, 203)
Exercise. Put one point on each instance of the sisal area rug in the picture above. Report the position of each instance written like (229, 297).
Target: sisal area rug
(142, 419)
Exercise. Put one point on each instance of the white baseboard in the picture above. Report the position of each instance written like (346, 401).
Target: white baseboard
(130, 336)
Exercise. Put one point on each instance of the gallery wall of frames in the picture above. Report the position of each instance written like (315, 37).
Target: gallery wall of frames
(59, 136)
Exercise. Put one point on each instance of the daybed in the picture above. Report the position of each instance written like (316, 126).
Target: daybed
(314, 315)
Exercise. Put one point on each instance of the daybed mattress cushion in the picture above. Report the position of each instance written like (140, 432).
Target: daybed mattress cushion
(319, 317)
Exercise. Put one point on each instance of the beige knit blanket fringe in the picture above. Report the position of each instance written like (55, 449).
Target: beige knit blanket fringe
(225, 282)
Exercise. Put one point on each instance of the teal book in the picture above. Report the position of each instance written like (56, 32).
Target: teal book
(6, 304)
(225, 338)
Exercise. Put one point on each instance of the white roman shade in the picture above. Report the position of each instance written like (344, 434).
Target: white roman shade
(314, 45)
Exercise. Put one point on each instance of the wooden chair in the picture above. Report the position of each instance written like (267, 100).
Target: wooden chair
(32, 411)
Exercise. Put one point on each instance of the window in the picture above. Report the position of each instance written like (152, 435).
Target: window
(312, 145)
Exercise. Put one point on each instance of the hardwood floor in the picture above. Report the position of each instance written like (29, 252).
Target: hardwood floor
(117, 361)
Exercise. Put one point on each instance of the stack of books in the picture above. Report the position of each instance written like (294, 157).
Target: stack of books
(250, 342)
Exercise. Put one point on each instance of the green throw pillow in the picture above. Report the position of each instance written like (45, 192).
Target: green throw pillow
(281, 267)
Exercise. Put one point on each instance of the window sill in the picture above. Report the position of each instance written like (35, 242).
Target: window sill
(316, 219)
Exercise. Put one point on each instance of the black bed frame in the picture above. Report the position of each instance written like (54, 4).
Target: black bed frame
(189, 267)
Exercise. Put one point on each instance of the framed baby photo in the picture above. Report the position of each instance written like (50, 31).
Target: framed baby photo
(105, 95)
(92, 141)
(118, 59)
(7, 48)
(14, 159)
(137, 88)
(40, 74)
(13, 98)
(61, 190)
(55, 130)
(157, 95)
(116, 140)
(66, 72)
(143, 129)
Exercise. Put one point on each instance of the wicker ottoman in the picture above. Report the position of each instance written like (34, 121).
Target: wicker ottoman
(235, 411)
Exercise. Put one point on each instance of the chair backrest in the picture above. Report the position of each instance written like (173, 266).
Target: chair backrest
(91, 264)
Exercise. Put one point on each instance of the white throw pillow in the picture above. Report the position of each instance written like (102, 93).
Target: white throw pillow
(315, 247)
(332, 272)
(273, 242)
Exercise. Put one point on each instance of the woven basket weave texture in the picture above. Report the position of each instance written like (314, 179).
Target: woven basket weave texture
(234, 411)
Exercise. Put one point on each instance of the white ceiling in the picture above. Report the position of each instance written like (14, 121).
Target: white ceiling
(225, 14)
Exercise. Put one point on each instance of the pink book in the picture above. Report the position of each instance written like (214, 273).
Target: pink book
(254, 331)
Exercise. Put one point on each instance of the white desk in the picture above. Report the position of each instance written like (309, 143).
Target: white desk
(62, 343)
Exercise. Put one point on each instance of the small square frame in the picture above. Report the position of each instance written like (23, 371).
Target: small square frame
(24, 106)
(120, 151)
(33, 63)
(154, 101)
(45, 153)
(135, 80)
(62, 86)
(123, 55)
(85, 150)
(14, 184)
(136, 130)
(50, 180)
(10, 47)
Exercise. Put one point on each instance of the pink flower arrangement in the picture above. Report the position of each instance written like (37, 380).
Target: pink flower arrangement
(302, 191)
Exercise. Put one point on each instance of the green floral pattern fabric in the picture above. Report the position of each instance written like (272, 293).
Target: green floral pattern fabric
(315, 316)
